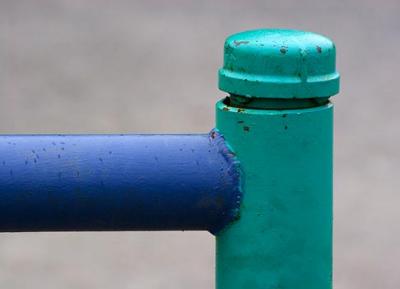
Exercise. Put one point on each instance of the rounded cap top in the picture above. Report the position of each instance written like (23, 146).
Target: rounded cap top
(278, 63)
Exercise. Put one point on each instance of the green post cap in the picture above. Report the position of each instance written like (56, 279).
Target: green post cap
(278, 63)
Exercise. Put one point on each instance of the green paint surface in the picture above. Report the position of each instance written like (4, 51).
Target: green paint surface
(283, 236)
(279, 63)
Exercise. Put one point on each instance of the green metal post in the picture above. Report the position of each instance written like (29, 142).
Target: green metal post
(279, 122)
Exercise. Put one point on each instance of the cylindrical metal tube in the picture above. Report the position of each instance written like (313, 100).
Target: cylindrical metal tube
(283, 238)
(279, 122)
(116, 182)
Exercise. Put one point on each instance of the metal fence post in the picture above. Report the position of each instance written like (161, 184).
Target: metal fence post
(261, 182)
(278, 121)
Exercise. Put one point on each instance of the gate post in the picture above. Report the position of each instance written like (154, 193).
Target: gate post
(278, 121)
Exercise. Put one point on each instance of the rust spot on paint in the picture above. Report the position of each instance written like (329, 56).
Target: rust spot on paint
(238, 43)
(319, 49)
(283, 49)
(246, 128)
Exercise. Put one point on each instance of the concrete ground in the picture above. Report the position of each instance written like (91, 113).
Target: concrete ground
(150, 66)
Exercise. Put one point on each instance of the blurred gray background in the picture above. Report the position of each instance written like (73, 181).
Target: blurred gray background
(150, 66)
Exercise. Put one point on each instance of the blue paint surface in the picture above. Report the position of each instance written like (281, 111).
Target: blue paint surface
(116, 182)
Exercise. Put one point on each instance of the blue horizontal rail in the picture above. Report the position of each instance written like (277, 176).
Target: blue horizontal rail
(116, 182)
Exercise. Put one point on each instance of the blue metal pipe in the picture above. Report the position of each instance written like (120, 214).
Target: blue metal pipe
(116, 182)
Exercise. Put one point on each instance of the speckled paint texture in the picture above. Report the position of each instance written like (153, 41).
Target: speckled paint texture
(283, 237)
(279, 63)
(117, 182)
